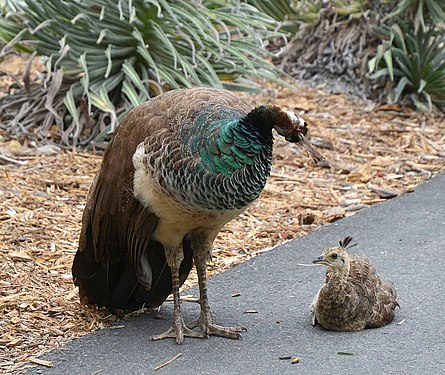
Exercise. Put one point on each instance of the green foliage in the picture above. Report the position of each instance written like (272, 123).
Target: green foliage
(291, 14)
(415, 61)
(281, 11)
(353, 9)
(309, 11)
(337, 38)
(412, 53)
(423, 12)
(104, 57)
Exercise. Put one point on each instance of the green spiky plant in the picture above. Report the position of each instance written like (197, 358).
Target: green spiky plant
(424, 13)
(415, 62)
(104, 57)
(411, 55)
(280, 10)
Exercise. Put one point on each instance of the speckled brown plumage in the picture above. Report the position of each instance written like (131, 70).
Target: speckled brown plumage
(353, 297)
(178, 168)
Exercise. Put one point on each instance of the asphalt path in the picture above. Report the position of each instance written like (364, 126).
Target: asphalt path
(405, 238)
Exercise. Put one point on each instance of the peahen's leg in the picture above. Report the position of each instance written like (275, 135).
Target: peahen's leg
(205, 322)
(178, 329)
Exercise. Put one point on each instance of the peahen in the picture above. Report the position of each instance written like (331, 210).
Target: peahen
(178, 168)
(353, 297)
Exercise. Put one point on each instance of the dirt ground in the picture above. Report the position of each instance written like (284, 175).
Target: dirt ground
(372, 153)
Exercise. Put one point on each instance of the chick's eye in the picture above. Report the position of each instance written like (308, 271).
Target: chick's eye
(334, 256)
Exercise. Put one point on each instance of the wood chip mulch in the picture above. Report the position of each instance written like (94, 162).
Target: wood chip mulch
(372, 153)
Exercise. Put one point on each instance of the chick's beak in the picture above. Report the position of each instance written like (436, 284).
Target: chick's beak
(318, 260)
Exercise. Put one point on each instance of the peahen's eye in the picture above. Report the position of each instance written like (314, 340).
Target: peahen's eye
(334, 256)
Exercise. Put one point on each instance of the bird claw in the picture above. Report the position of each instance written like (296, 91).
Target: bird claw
(178, 331)
(228, 332)
(216, 330)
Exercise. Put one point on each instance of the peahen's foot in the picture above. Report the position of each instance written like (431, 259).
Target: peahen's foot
(177, 331)
(229, 332)
(207, 327)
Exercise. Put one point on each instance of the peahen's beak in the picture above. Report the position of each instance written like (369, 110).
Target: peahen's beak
(306, 145)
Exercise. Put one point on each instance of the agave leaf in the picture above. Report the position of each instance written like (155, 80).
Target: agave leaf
(399, 36)
(372, 64)
(165, 5)
(71, 106)
(55, 85)
(404, 61)
(133, 76)
(15, 40)
(379, 73)
(436, 11)
(146, 55)
(212, 76)
(427, 71)
(85, 80)
(419, 19)
(400, 87)
(111, 83)
(375, 61)
(131, 93)
(172, 78)
(422, 85)
(168, 45)
(388, 60)
(416, 67)
(401, 8)
(101, 100)
(420, 105)
(193, 26)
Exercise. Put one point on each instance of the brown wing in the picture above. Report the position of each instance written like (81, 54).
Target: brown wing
(381, 296)
(118, 264)
(383, 310)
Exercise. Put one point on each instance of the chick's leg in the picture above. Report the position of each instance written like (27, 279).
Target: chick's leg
(205, 322)
(178, 329)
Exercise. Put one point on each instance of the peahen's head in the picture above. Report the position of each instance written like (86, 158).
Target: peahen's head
(286, 123)
(337, 257)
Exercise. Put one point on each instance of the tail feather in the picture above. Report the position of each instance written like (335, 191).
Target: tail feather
(116, 286)
(94, 279)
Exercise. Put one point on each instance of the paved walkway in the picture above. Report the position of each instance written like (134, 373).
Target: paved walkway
(405, 237)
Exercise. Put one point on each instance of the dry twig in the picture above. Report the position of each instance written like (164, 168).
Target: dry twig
(168, 362)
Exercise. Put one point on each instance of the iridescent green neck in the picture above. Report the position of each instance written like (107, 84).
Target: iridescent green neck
(228, 143)
(232, 147)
